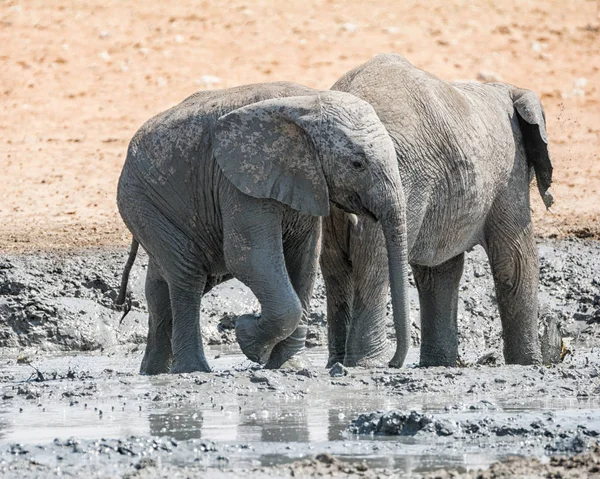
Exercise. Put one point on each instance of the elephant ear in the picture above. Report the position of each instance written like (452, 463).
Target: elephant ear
(267, 150)
(532, 122)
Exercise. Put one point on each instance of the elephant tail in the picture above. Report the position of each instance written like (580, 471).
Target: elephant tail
(123, 295)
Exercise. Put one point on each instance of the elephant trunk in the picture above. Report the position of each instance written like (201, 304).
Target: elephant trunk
(393, 221)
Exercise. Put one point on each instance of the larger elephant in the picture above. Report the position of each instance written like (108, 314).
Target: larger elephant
(466, 154)
(233, 183)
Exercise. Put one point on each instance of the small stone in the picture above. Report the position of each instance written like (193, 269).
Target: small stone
(349, 27)
(391, 30)
(325, 458)
(338, 370)
(208, 80)
(306, 372)
(537, 46)
(580, 83)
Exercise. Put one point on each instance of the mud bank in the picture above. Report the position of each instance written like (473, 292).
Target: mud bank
(72, 403)
(64, 302)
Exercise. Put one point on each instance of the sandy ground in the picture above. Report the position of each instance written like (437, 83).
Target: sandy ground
(78, 78)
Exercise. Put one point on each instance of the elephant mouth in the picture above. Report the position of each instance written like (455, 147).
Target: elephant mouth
(357, 209)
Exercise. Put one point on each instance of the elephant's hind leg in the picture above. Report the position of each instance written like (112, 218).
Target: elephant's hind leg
(302, 261)
(179, 266)
(188, 350)
(158, 354)
(512, 252)
(438, 300)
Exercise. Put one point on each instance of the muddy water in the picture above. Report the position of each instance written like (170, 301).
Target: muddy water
(241, 417)
(80, 407)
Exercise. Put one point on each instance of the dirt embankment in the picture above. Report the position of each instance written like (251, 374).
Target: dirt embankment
(64, 301)
(78, 79)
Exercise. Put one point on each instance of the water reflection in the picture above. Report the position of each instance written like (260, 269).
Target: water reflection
(285, 426)
(290, 421)
(254, 419)
(178, 424)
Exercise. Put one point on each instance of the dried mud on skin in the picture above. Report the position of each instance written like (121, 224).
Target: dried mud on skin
(62, 303)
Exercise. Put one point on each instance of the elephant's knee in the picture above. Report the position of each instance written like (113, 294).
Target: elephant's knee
(286, 319)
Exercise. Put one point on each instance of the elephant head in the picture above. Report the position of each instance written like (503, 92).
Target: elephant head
(308, 151)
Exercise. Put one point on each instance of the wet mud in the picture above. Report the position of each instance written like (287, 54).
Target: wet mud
(72, 401)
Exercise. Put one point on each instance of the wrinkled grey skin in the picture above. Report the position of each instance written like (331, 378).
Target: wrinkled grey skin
(466, 154)
(233, 183)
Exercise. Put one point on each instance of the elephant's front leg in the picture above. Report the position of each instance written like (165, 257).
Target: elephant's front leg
(513, 258)
(438, 299)
(301, 254)
(366, 341)
(253, 250)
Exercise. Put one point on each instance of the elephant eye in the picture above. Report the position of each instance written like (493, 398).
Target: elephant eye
(358, 165)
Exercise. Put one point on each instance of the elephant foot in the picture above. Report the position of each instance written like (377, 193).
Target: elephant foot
(297, 362)
(437, 362)
(155, 363)
(290, 353)
(365, 361)
(434, 357)
(247, 334)
(372, 357)
(151, 369)
(333, 359)
(190, 365)
(524, 360)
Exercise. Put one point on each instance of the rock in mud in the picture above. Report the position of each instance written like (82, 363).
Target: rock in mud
(401, 423)
(550, 338)
(392, 423)
(338, 370)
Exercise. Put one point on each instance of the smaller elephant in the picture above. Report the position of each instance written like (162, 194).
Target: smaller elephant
(233, 183)
(466, 154)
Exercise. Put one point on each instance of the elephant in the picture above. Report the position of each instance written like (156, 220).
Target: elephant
(234, 183)
(466, 153)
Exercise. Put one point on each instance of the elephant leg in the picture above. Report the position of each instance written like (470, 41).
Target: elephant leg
(513, 256)
(176, 261)
(188, 350)
(438, 300)
(302, 261)
(158, 354)
(366, 342)
(254, 254)
(339, 284)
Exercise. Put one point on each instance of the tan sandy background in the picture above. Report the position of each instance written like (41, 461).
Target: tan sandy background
(77, 78)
